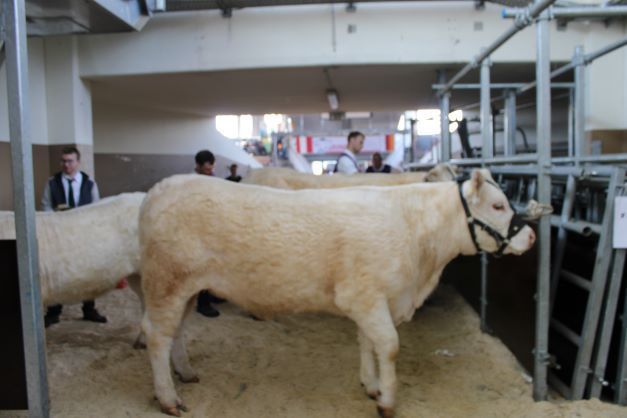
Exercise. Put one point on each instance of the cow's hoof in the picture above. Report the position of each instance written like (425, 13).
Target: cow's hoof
(190, 379)
(138, 345)
(171, 410)
(373, 394)
(385, 412)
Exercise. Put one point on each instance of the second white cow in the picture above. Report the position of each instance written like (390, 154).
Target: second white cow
(277, 251)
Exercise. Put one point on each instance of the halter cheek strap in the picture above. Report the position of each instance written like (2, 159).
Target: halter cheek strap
(515, 225)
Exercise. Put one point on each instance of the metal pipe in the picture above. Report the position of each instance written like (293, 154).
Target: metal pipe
(445, 109)
(521, 22)
(500, 86)
(605, 50)
(509, 134)
(487, 148)
(14, 25)
(586, 59)
(571, 124)
(580, 105)
(543, 111)
(574, 12)
(607, 158)
(189, 5)
(484, 293)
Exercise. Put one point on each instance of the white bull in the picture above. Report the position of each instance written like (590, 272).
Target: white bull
(202, 233)
(285, 178)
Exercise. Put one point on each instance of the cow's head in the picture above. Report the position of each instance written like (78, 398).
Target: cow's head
(493, 224)
(442, 172)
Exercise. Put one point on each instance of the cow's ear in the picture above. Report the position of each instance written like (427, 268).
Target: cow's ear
(476, 180)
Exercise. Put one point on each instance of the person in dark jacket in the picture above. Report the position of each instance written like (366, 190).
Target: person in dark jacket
(234, 176)
(204, 166)
(67, 189)
(377, 165)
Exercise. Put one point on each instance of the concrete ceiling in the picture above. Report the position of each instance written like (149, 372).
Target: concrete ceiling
(295, 90)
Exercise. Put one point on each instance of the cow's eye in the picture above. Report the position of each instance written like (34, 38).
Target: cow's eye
(498, 206)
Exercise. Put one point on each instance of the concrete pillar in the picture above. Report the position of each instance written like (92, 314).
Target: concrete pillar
(68, 102)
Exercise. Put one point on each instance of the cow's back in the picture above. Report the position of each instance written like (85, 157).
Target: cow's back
(260, 241)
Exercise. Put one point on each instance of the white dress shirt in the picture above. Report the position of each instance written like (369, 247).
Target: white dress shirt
(347, 163)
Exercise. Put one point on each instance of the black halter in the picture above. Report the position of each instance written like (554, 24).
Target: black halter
(515, 225)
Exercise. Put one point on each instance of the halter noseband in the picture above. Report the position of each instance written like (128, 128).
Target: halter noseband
(515, 225)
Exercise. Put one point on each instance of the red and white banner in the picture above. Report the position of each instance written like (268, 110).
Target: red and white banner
(337, 144)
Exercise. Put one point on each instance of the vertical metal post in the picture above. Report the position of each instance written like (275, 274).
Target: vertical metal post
(412, 140)
(509, 135)
(484, 293)
(445, 135)
(543, 110)
(487, 149)
(580, 104)
(14, 24)
(571, 123)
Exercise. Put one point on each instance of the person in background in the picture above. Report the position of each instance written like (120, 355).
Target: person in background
(377, 165)
(67, 189)
(204, 166)
(347, 161)
(234, 177)
(204, 162)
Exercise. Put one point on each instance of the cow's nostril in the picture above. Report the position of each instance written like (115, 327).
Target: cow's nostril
(532, 237)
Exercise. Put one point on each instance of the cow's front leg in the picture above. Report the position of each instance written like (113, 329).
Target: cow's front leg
(368, 367)
(377, 325)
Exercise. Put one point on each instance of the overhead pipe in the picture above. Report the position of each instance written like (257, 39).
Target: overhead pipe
(522, 21)
(587, 59)
(574, 12)
(187, 5)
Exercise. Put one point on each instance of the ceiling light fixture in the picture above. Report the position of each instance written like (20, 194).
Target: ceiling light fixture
(333, 99)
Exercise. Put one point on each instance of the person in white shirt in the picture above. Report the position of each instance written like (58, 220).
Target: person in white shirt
(67, 189)
(347, 161)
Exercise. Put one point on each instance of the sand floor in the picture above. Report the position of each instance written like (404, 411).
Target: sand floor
(294, 366)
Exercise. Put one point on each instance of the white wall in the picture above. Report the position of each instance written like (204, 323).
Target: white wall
(606, 89)
(127, 129)
(124, 129)
(37, 95)
(304, 35)
(69, 98)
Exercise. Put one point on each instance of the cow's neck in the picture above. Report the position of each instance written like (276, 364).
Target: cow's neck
(438, 222)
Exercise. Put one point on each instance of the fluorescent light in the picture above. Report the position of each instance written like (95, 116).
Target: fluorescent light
(358, 115)
(333, 99)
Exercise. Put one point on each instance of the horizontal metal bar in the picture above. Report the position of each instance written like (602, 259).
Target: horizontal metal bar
(576, 280)
(573, 12)
(499, 86)
(580, 227)
(521, 158)
(520, 23)
(596, 171)
(605, 158)
(569, 334)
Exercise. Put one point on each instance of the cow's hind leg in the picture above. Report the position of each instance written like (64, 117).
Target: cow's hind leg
(180, 359)
(368, 367)
(160, 324)
(377, 325)
(134, 283)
